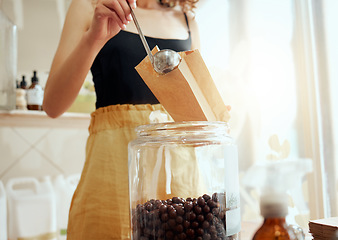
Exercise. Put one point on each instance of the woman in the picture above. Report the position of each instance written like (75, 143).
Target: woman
(98, 36)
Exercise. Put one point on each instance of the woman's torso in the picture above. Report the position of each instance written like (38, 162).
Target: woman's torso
(115, 79)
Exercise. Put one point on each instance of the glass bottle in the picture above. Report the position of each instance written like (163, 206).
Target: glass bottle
(34, 94)
(183, 182)
(23, 83)
(274, 210)
(21, 102)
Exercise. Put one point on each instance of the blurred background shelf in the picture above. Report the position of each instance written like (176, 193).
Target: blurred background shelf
(25, 118)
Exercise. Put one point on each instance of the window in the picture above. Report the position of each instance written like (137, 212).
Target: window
(273, 62)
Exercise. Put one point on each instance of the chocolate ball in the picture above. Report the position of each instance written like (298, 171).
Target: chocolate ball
(172, 223)
(199, 231)
(206, 197)
(201, 201)
(180, 210)
(164, 217)
(205, 224)
(172, 213)
(206, 209)
(188, 206)
(209, 216)
(169, 234)
(200, 218)
(179, 219)
(197, 209)
(206, 236)
(182, 236)
(163, 208)
(194, 224)
(186, 224)
(179, 228)
(190, 232)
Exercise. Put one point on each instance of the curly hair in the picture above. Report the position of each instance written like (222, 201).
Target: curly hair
(186, 5)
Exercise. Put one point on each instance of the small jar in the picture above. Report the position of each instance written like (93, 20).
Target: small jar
(183, 182)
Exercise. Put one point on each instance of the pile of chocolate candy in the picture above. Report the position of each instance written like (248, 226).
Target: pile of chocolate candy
(201, 218)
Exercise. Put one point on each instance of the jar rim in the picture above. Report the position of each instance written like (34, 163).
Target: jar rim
(186, 126)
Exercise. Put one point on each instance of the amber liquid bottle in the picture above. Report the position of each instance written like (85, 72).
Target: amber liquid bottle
(274, 226)
(34, 94)
(273, 229)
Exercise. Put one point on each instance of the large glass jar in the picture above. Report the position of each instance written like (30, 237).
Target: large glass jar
(183, 182)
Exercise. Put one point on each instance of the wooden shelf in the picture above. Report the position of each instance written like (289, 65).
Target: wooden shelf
(25, 118)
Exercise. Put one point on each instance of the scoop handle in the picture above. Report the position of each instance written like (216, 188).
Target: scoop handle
(143, 39)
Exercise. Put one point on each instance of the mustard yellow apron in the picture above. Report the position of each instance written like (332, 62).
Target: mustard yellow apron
(100, 205)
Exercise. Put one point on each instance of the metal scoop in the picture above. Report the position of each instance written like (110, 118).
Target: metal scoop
(163, 61)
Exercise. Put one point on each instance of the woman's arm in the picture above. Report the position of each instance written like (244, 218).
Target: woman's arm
(88, 26)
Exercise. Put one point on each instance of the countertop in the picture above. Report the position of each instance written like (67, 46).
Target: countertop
(29, 118)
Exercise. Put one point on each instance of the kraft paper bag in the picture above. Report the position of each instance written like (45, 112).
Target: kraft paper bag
(188, 92)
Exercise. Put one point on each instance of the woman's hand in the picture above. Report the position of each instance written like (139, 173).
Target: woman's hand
(87, 28)
(110, 16)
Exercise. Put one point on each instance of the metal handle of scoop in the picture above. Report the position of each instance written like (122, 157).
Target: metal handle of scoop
(143, 39)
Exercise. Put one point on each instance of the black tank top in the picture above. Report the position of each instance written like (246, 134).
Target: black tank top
(115, 79)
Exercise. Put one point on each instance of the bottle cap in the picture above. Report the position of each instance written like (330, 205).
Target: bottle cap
(35, 78)
(23, 82)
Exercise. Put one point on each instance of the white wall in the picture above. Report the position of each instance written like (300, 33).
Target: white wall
(38, 34)
(39, 152)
